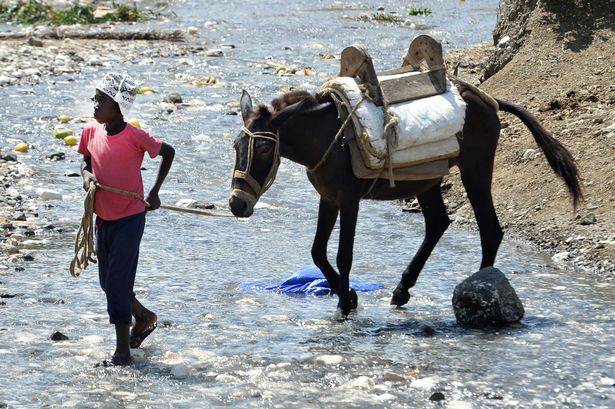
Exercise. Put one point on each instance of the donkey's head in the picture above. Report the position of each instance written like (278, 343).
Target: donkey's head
(257, 158)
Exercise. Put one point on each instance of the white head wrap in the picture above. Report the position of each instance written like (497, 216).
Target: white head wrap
(121, 88)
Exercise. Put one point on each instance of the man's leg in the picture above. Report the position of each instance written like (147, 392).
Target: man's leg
(121, 356)
(123, 256)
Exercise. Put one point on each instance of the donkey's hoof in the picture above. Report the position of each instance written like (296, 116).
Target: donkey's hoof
(354, 300)
(400, 297)
(340, 315)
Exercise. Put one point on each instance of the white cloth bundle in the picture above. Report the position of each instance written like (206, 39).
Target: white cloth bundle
(426, 128)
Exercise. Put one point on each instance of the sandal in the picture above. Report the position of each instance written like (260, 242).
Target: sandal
(137, 339)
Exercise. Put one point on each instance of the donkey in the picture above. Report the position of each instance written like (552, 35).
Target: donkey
(303, 128)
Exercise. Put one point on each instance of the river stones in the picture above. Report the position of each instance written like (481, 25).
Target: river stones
(485, 299)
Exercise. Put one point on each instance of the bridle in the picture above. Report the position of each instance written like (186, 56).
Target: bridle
(245, 175)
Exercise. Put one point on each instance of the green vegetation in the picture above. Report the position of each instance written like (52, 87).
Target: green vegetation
(28, 12)
(388, 18)
(419, 11)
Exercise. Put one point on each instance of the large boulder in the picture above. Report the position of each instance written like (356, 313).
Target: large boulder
(486, 298)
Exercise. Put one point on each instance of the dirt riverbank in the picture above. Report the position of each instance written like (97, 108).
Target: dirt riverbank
(564, 72)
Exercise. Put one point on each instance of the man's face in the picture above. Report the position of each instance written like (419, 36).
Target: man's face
(105, 109)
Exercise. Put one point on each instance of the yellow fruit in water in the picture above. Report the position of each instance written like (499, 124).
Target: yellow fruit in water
(22, 147)
(134, 122)
(64, 118)
(62, 133)
(70, 140)
(145, 90)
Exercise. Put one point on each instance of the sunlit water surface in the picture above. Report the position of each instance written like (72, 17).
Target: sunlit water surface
(218, 346)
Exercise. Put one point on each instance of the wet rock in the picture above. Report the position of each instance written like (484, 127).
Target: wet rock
(51, 300)
(27, 257)
(214, 52)
(57, 156)
(194, 204)
(202, 205)
(486, 298)
(4, 80)
(58, 336)
(19, 217)
(174, 98)
(5, 295)
(48, 194)
(437, 397)
(330, 360)
(5, 156)
(428, 330)
(493, 396)
(361, 382)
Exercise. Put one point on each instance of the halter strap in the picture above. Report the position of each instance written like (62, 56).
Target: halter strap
(245, 174)
(261, 134)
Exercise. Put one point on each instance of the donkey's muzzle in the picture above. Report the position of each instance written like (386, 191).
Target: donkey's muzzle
(241, 203)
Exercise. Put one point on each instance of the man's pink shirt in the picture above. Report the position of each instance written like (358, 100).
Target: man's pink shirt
(116, 162)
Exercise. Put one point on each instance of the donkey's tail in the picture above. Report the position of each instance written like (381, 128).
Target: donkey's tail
(559, 158)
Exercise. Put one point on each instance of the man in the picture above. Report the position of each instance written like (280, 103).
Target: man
(113, 152)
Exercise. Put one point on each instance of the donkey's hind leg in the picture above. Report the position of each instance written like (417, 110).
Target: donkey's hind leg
(436, 223)
(476, 177)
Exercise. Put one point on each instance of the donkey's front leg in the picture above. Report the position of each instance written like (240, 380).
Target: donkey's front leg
(348, 222)
(327, 216)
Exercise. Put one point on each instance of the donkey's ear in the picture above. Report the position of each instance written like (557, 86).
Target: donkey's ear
(246, 104)
(286, 113)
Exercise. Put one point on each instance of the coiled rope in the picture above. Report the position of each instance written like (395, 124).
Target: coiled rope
(84, 243)
(85, 249)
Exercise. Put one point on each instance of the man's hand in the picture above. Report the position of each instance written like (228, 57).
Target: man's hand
(153, 200)
(88, 178)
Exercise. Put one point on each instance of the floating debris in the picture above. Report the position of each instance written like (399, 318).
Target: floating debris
(134, 122)
(204, 81)
(61, 132)
(145, 90)
(70, 140)
(22, 147)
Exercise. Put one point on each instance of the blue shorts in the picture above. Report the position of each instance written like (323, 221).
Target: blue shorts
(117, 251)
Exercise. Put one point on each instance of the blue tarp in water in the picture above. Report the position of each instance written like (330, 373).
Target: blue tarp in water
(308, 281)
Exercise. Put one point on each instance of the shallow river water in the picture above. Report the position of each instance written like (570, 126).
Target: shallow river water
(219, 346)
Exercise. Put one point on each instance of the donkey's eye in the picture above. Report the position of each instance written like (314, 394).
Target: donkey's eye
(263, 148)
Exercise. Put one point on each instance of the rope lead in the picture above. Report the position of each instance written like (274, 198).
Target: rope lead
(84, 242)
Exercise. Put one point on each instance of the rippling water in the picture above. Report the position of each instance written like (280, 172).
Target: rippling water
(219, 346)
